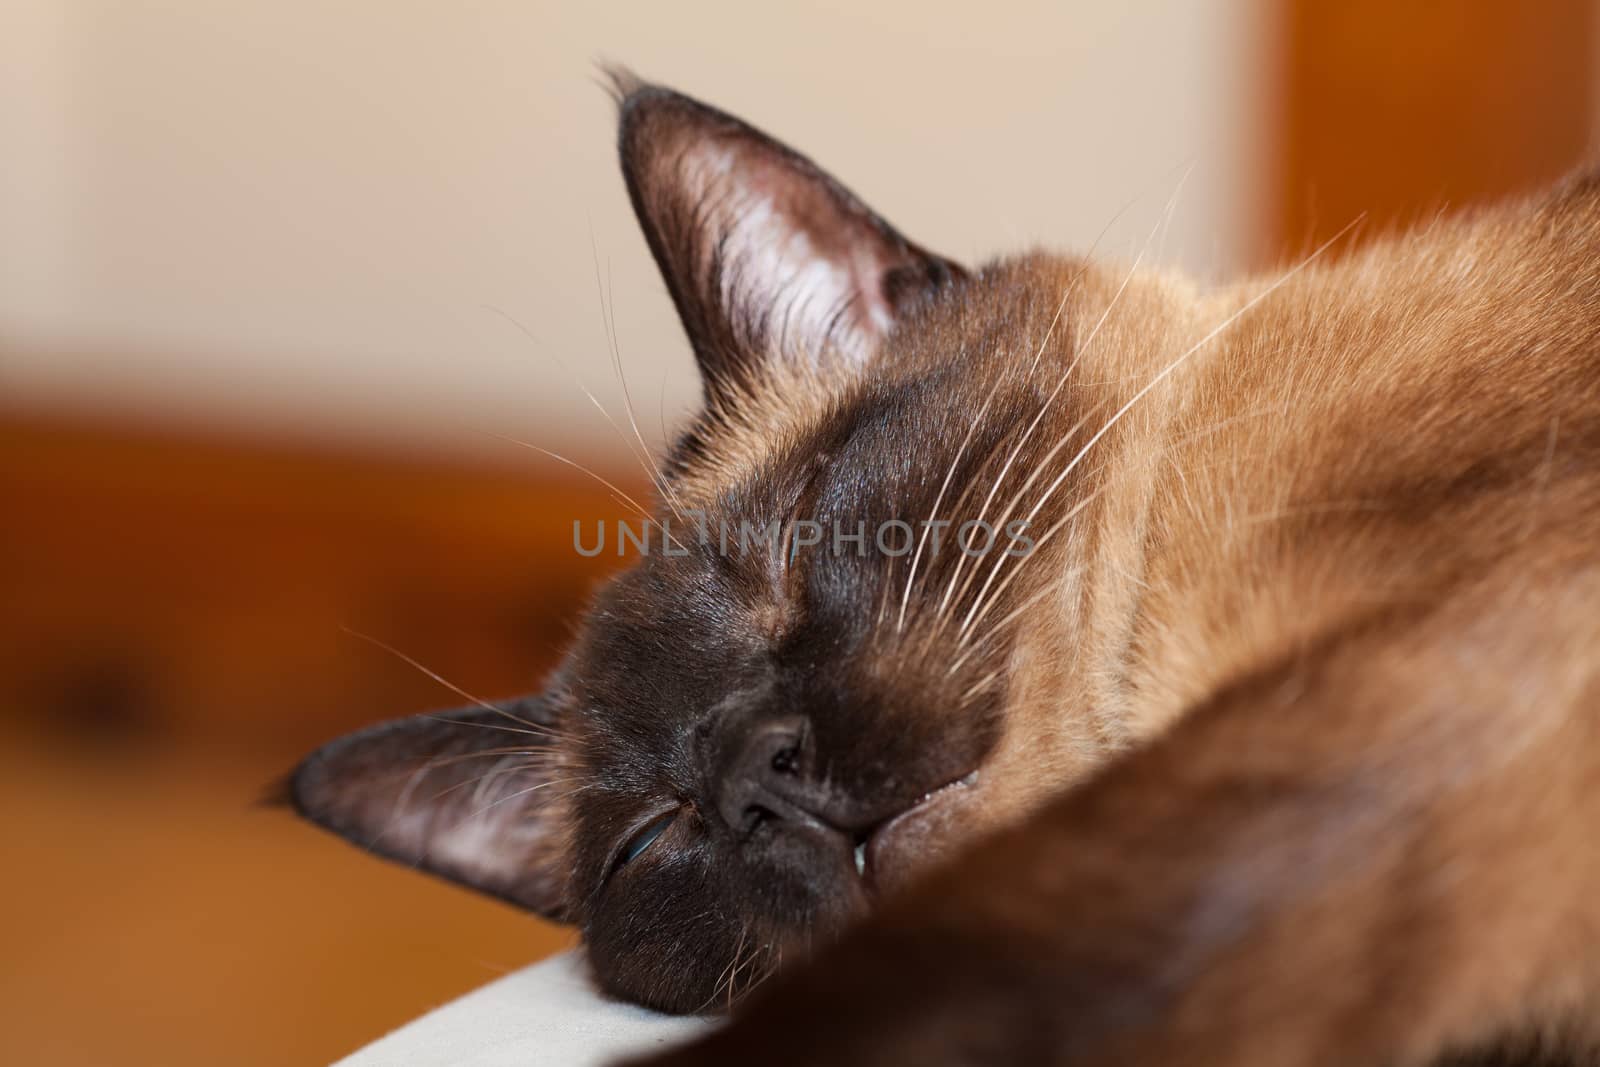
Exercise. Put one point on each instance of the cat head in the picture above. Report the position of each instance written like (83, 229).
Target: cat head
(816, 683)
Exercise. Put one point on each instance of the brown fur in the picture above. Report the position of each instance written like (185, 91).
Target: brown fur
(1352, 548)
(1287, 735)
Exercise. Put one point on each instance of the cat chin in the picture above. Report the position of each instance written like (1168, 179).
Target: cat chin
(917, 839)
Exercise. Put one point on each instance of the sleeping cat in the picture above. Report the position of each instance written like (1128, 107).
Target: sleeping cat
(1273, 739)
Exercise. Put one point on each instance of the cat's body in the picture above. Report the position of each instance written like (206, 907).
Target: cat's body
(1378, 432)
(1281, 746)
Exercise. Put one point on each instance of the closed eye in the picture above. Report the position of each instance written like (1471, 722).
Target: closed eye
(645, 837)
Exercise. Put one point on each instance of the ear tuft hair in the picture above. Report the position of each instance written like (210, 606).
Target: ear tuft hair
(620, 81)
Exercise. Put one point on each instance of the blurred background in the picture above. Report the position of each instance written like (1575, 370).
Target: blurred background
(282, 285)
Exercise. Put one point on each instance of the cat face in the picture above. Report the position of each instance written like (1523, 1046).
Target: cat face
(809, 690)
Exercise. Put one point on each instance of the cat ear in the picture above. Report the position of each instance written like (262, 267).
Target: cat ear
(470, 795)
(766, 256)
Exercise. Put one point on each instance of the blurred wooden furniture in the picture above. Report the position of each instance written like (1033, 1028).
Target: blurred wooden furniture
(1398, 110)
(157, 584)
(176, 617)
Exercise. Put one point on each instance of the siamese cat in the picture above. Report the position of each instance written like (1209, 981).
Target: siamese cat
(1272, 738)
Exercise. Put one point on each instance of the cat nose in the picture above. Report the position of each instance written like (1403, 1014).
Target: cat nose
(763, 776)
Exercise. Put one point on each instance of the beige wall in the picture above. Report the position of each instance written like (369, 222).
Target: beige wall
(292, 215)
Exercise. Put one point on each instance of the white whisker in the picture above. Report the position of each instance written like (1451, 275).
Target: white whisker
(927, 525)
(981, 602)
(1082, 350)
(1162, 374)
(519, 793)
(479, 701)
(609, 321)
(576, 380)
(977, 687)
(575, 465)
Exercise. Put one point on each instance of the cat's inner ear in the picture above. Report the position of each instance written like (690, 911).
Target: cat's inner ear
(765, 255)
(473, 795)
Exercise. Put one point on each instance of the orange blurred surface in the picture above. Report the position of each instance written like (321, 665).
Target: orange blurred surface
(155, 915)
(174, 633)
(1393, 111)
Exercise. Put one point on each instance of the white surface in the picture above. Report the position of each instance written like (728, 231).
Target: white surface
(292, 214)
(544, 1014)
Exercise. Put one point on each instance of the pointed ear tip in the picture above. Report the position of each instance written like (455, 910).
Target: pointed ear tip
(619, 80)
(628, 90)
(289, 789)
(279, 793)
(642, 108)
(304, 788)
